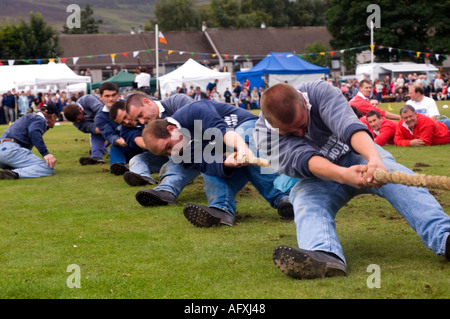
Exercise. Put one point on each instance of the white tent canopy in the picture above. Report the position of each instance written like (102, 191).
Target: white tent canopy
(38, 76)
(195, 74)
(379, 70)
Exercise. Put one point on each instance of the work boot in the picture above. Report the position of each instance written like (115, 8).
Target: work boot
(91, 160)
(150, 197)
(134, 179)
(118, 168)
(202, 216)
(308, 264)
(8, 174)
(285, 208)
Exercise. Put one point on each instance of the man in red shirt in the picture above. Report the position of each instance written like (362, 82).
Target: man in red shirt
(415, 129)
(382, 129)
(361, 101)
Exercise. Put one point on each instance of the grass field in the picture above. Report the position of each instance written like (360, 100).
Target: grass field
(85, 216)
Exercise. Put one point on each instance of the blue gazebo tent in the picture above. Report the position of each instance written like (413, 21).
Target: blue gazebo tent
(279, 67)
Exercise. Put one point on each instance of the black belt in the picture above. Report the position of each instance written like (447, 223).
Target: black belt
(9, 140)
(144, 87)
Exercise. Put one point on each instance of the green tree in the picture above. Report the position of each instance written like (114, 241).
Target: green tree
(31, 40)
(422, 26)
(175, 15)
(317, 59)
(89, 25)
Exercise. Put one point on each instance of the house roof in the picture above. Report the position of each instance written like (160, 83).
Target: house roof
(94, 50)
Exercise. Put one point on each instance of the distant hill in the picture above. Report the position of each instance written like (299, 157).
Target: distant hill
(118, 15)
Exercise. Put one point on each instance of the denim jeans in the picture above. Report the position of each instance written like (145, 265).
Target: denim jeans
(147, 163)
(316, 203)
(97, 145)
(120, 154)
(221, 193)
(23, 161)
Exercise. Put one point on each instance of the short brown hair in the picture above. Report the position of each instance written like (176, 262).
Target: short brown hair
(135, 98)
(280, 103)
(71, 111)
(108, 86)
(113, 110)
(157, 129)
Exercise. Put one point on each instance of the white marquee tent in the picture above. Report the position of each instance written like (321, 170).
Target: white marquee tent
(38, 77)
(195, 74)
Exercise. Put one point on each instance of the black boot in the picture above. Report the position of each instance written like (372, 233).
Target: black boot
(150, 197)
(202, 216)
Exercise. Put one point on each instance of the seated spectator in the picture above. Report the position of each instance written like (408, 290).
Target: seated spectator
(422, 104)
(244, 99)
(382, 129)
(415, 129)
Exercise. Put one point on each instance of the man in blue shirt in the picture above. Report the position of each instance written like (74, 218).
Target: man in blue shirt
(174, 177)
(9, 105)
(16, 143)
(331, 156)
(82, 114)
(120, 153)
(196, 136)
(144, 163)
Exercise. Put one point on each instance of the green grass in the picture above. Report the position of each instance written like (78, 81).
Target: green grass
(83, 215)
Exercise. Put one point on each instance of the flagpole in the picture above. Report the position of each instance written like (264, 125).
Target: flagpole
(157, 57)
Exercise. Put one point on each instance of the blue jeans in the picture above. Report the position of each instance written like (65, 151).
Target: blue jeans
(316, 203)
(23, 161)
(97, 145)
(221, 193)
(119, 154)
(147, 163)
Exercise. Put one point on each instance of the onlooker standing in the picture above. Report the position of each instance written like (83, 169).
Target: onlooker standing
(142, 80)
(9, 104)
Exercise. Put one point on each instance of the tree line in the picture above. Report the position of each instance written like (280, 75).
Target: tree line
(406, 24)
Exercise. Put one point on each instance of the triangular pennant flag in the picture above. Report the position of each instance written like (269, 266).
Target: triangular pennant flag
(332, 53)
(181, 52)
(246, 56)
(161, 37)
(390, 107)
(204, 55)
(149, 51)
(226, 56)
(436, 56)
(418, 54)
(99, 57)
(51, 60)
(390, 50)
(372, 47)
(236, 56)
(192, 53)
(427, 55)
(322, 53)
(214, 55)
(39, 61)
(170, 52)
(75, 60)
(125, 54)
(89, 56)
(26, 61)
(1, 63)
(113, 56)
(63, 60)
(135, 54)
(342, 51)
(300, 56)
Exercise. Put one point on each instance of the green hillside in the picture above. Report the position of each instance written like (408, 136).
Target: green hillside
(117, 15)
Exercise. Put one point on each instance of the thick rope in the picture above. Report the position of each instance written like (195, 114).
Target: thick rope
(420, 180)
